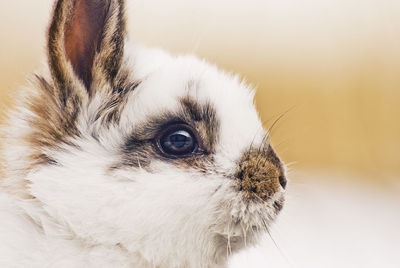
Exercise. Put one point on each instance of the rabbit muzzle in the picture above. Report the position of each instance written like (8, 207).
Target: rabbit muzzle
(260, 174)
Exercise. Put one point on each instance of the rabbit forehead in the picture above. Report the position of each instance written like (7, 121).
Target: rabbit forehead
(167, 80)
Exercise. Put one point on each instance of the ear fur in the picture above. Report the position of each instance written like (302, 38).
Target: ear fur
(86, 40)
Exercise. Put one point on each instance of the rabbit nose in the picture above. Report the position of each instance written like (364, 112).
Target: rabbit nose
(260, 174)
(283, 181)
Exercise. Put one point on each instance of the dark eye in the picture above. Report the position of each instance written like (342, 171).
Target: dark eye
(178, 141)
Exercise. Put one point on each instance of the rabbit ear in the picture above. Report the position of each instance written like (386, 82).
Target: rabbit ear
(87, 35)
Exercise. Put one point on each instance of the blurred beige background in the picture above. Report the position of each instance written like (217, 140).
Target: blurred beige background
(335, 64)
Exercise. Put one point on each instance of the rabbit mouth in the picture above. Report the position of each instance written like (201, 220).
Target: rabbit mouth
(258, 195)
(248, 221)
(247, 230)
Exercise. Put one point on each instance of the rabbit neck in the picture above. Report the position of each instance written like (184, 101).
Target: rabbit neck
(45, 241)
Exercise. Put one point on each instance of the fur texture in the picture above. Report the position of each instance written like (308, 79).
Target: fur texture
(84, 184)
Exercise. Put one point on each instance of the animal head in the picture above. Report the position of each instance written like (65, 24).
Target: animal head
(163, 156)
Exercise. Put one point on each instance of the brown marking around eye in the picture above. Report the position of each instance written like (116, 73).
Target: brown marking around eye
(140, 149)
(205, 120)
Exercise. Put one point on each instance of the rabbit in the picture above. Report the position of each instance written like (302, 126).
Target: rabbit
(118, 155)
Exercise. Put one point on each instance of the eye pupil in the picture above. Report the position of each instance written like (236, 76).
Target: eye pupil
(180, 138)
(178, 142)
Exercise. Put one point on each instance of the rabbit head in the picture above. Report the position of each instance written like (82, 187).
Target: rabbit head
(162, 156)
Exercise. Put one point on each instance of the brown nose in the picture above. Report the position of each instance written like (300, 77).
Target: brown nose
(260, 174)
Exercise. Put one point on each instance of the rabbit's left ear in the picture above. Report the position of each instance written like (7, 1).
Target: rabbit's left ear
(87, 35)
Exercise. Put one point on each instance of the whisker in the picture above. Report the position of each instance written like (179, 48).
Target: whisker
(275, 122)
(254, 137)
(263, 142)
(228, 245)
(259, 156)
(279, 118)
(283, 142)
(244, 235)
(138, 160)
(290, 164)
(265, 139)
(276, 244)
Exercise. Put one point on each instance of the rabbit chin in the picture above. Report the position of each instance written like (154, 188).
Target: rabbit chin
(166, 217)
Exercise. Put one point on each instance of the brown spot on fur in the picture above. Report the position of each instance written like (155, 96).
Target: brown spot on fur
(113, 42)
(278, 205)
(258, 174)
(80, 29)
(204, 118)
(85, 44)
(110, 111)
(53, 122)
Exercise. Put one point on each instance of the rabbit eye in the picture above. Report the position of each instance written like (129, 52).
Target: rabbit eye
(178, 141)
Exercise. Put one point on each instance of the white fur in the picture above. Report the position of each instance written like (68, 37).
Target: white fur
(85, 215)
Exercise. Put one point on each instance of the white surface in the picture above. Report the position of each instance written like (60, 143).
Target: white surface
(332, 222)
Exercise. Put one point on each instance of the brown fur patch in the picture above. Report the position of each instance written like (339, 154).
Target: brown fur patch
(53, 122)
(85, 47)
(259, 174)
(112, 46)
(205, 119)
(80, 31)
(110, 111)
(140, 149)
